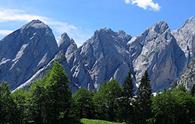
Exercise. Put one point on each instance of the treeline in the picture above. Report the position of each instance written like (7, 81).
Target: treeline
(50, 101)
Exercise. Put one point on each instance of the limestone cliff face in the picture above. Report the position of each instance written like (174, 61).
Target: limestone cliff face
(105, 56)
(157, 51)
(185, 37)
(27, 54)
(25, 51)
(188, 77)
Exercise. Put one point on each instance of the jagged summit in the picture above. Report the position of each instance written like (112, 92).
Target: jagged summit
(106, 36)
(185, 37)
(65, 42)
(189, 25)
(190, 20)
(64, 39)
(37, 24)
(156, 51)
(27, 53)
(110, 31)
(65, 36)
(160, 27)
(104, 30)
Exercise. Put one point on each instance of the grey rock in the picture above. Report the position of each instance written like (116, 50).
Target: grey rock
(157, 52)
(27, 54)
(187, 79)
(103, 57)
(25, 51)
(186, 38)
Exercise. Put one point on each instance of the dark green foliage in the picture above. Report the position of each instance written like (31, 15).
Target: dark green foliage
(144, 100)
(22, 100)
(126, 100)
(51, 98)
(49, 101)
(174, 107)
(181, 88)
(83, 99)
(128, 87)
(8, 108)
(193, 90)
(38, 102)
(106, 101)
(57, 95)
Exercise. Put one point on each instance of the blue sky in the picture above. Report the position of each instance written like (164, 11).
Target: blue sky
(80, 18)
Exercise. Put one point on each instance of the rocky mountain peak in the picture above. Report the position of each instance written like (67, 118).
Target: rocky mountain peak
(190, 20)
(65, 42)
(106, 37)
(104, 30)
(28, 52)
(185, 37)
(25, 51)
(188, 25)
(160, 27)
(37, 24)
(65, 37)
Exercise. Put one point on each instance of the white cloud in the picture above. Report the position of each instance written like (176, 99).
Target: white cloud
(145, 4)
(5, 32)
(59, 27)
(17, 15)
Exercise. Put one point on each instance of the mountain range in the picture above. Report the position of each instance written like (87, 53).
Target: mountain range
(28, 53)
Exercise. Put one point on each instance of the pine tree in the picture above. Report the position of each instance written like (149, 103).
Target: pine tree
(144, 99)
(106, 101)
(128, 87)
(38, 100)
(126, 99)
(58, 95)
(51, 97)
(83, 100)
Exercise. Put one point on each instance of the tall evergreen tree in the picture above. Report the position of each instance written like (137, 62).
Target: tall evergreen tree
(58, 95)
(38, 100)
(51, 97)
(144, 101)
(106, 101)
(126, 100)
(128, 87)
(83, 100)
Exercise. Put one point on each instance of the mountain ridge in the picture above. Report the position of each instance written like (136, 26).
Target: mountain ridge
(91, 64)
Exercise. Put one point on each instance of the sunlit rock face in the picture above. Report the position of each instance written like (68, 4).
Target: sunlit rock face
(157, 51)
(25, 51)
(185, 37)
(187, 79)
(103, 57)
(28, 53)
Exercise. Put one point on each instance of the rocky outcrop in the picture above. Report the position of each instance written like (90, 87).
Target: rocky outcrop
(105, 56)
(188, 77)
(27, 54)
(156, 51)
(185, 37)
(25, 51)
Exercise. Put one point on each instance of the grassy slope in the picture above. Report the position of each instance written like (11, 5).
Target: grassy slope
(89, 121)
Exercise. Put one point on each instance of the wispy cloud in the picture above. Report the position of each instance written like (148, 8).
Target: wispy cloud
(145, 4)
(59, 27)
(17, 15)
(5, 32)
